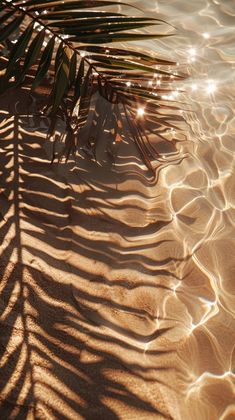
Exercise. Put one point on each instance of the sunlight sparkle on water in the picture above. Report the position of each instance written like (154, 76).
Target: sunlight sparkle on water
(192, 54)
(211, 87)
(140, 112)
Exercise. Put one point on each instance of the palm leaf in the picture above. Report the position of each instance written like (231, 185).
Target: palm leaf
(63, 40)
(44, 63)
(19, 49)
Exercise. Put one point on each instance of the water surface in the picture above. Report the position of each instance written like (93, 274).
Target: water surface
(200, 195)
(117, 292)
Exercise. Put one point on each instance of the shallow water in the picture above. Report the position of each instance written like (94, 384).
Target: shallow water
(117, 294)
(200, 196)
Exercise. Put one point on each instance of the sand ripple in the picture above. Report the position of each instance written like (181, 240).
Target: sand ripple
(117, 294)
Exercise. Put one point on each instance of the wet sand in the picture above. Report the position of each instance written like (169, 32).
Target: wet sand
(117, 297)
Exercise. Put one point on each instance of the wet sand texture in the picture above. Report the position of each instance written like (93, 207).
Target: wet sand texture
(117, 291)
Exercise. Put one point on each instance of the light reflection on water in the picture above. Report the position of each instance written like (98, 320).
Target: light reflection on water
(201, 200)
(190, 255)
(171, 240)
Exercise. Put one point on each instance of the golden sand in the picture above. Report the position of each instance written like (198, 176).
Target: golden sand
(117, 290)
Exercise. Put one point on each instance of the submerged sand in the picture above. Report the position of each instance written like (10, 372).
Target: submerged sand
(117, 298)
(117, 290)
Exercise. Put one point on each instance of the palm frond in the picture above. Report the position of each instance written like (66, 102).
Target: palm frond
(64, 41)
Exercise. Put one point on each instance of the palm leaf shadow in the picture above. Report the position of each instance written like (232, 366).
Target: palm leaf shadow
(60, 51)
(57, 338)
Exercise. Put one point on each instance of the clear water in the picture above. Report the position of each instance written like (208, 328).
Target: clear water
(200, 195)
(117, 290)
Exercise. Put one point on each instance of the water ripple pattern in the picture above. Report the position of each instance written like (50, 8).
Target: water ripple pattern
(117, 295)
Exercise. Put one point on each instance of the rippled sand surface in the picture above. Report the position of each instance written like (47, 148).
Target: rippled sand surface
(117, 291)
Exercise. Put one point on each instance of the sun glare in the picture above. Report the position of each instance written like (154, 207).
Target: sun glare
(211, 87)
(140, 112)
